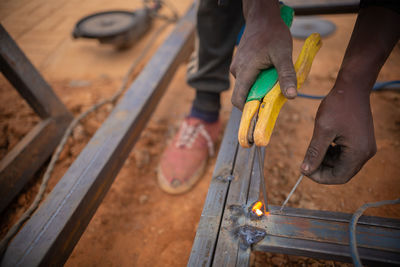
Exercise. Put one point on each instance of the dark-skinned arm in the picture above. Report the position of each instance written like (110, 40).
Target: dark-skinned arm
(344, 117)
(266, 42)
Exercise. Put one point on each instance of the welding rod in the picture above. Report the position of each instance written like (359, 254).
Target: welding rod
(291, 192)
(260, 164)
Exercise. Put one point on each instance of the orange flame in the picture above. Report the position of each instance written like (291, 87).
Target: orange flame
(257, 208)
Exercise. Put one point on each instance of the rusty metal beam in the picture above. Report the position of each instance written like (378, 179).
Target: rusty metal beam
(318, 234)
(204, 245)
(21, 73)
(25, 159)
(50, 235)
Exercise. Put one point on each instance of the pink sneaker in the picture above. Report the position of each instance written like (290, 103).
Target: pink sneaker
(184, 160)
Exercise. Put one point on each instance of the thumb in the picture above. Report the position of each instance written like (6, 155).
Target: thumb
(287, 75)
(244, 80)
(316, 151)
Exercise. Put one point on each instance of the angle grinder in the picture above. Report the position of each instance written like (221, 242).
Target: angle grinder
(118, 28)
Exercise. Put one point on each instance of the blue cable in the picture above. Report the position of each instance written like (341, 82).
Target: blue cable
(353, 223)
(378, 86)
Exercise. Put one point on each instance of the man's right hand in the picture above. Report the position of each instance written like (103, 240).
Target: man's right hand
(266, 42)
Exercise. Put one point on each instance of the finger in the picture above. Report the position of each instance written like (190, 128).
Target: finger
(324, 174)
(316, 151)
(244, 80)
(339, 170)
(287, 76)
(340, 165)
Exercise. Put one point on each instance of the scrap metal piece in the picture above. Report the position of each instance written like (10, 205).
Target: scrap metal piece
(249, 235)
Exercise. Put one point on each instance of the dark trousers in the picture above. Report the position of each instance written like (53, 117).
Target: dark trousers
(208, 70)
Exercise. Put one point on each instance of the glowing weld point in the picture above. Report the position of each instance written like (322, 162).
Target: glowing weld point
(257, 208)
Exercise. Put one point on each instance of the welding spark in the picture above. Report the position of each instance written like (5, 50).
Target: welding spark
(257, 208)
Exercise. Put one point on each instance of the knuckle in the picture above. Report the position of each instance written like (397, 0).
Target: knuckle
(232, 69)
(312, 152)
(287, 72)
(323, 126)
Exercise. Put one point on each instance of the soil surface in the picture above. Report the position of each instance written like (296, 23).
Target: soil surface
(138, 224)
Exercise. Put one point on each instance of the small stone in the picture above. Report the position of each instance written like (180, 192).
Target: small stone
(142, 157)
(92, 126)
(295, 198)
(295, 117)
(280, 164)
(22, 200)
(275, 171)
(79, 83)
(278, 261)
(143, 199)
(64, 154)
(109, 107)
(78, 133)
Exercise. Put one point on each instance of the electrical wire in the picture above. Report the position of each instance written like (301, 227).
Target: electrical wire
(112, 100)
(353, 223)
(377, 87)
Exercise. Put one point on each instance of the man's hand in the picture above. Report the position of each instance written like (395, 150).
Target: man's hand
(266, 42)
(343, 139)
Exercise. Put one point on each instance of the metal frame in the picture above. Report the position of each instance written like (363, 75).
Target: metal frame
(22, 162)
(50, 235)
(319, 234)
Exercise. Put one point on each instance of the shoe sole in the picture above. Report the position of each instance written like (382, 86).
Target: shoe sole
(165, 186)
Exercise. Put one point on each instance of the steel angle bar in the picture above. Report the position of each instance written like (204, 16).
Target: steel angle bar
(25, 159)
(324, 237)
(207, 234)
(50, 235)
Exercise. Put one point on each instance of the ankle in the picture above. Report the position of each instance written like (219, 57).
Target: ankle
(206, 116)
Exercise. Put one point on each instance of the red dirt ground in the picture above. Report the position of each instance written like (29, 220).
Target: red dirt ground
(138, 224)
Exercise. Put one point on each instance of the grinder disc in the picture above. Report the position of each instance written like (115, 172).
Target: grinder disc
(105, 24)
(304, 26)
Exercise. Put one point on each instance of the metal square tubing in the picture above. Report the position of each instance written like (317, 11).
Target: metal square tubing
(319, 234)
(24, 160)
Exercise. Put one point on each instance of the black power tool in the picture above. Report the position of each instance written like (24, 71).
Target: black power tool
(118, 28)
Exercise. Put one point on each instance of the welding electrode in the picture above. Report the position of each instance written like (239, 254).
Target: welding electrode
(291, 192)
(261, 164)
